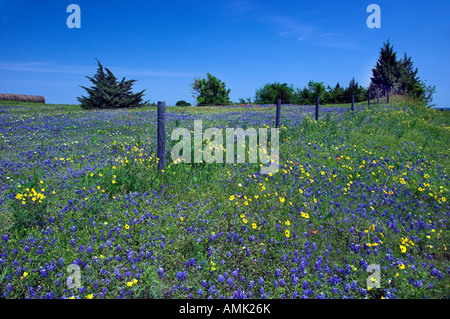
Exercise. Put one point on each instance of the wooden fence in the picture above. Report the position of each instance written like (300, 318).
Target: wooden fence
(162, 124)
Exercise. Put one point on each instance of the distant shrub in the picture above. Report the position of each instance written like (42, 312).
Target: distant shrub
(182, 103)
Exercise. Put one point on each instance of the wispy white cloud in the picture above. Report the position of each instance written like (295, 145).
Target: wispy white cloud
(291, 27)
(45, 67)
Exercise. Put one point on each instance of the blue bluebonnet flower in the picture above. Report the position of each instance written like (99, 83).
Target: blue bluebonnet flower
(305, 284)
(261, 281)
(262, 293)
(212, 290)
(239, 294)
(363, 264)
(50, 295)
(278, 272)
(230, 282)
(319, 263)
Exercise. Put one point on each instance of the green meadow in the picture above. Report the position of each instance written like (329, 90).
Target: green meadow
(353, 191)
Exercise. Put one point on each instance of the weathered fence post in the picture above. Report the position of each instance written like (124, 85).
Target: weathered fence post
(161, 136)
(353, 102)
(277, 121)
(369, 99)
(317, 108)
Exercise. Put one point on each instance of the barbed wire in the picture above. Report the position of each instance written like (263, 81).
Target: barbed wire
(341, 99)
(325, 98)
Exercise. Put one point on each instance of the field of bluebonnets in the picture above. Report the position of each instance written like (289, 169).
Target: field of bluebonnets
(353, 190)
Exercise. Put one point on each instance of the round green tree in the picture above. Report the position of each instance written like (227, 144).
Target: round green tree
(210, 91)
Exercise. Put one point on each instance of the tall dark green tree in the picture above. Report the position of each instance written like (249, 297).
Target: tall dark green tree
(355, 89)
(352, 87)
(109, 93)
(411, 84)
(338, 94)
(392, 75)
(387, 71)
(210, 91)
(408, 76)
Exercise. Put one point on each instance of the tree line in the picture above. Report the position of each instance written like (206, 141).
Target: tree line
(390, 75)
(270, 93)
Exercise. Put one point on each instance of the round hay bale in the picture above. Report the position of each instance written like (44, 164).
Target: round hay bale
(22, 98)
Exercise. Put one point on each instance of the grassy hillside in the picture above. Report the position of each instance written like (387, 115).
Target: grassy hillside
(353, 190)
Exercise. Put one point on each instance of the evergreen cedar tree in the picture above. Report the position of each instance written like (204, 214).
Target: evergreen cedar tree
(108, 93)
(398, 76)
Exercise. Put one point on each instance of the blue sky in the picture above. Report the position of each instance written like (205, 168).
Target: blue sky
(164, 44)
